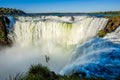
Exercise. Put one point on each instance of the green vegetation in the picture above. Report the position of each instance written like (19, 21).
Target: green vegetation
(39, 72)
(107, 12)
(10, 11)
(2, 36)
(102, 33)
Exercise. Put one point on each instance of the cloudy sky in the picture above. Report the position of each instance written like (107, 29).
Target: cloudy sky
(43, 6)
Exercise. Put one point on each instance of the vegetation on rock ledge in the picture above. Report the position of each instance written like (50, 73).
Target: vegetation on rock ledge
(39, 72)
(112, 25)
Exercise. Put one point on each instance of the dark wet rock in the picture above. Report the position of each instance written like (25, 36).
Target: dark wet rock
(81, 73)
(112, 25)
(72, 18)
(4, 22)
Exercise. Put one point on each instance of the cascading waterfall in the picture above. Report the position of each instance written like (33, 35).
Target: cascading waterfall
(56, 37)
(57, 30)
(96, 58)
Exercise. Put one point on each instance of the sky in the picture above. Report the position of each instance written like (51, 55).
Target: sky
(45, 6)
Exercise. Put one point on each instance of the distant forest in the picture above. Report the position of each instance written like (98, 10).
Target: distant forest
(108, 12)
(13, 11)
(10, 11)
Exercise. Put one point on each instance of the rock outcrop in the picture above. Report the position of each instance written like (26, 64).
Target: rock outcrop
(112, 25)
(3, 31)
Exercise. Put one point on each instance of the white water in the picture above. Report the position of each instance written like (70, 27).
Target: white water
(56, 37)
(114, 36)
(63, 33)
(96, 58)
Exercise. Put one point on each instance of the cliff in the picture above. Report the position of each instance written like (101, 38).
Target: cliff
(3, 31)
(112, 25)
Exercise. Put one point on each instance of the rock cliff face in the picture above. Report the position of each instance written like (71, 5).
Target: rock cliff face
(112, 25)
(3, 31)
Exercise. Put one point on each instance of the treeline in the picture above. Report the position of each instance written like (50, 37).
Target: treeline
(10, 11)
(108, 12)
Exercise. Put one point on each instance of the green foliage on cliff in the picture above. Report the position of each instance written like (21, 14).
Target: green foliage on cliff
(39, 72)
(102, 33)
(10, 11)
(112, 25)
(2, 36)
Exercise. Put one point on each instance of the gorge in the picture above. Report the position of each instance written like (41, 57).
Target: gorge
(71, 43)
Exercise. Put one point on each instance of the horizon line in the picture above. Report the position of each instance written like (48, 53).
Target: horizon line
(76, 12)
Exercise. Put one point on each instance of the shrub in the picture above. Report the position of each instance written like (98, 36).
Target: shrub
(102, 33)
(39, 72)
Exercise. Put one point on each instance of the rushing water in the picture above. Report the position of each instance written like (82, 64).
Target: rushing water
(59, 30)
(65, 40)
(96, 58)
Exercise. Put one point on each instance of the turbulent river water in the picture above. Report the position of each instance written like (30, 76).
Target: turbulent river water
(70, 42)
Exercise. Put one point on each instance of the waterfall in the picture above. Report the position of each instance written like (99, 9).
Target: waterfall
(95, 58)
(98, 57)
(60, 30)
(114, 36)
(53, 36)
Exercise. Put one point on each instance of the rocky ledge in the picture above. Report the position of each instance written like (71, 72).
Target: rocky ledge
(112, 25)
